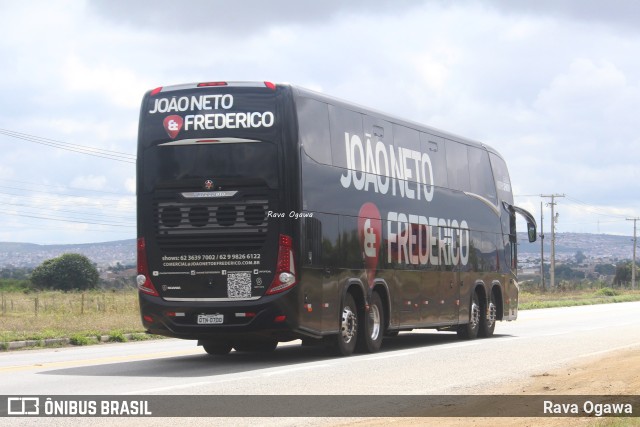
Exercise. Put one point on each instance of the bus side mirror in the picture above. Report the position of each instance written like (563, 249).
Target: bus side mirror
(531, 230)
(531, 222)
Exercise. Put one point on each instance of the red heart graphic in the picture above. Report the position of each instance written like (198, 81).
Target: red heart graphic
(370, 232)
(173, 124)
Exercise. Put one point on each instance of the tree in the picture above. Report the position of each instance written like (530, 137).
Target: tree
(623, 273)
(605, 269)
(565, 272)
(66, 272)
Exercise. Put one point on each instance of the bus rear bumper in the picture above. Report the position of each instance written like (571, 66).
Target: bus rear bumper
(267, 317)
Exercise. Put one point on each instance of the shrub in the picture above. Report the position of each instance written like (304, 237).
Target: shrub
(139, 337)
(117, 336)
(79, 340)
(606, 292)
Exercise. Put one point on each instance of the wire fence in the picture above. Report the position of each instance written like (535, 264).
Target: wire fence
(68, 303)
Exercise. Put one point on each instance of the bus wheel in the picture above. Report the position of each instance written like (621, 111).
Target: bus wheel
(469, 331)
(348, 335)
(370, 339)
(488, 319)
(217, 348)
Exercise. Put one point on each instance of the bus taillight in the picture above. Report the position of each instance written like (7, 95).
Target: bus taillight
(212, 84)
(143, 280)
(285, 277)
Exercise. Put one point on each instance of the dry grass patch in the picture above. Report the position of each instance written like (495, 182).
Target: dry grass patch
(56, 314)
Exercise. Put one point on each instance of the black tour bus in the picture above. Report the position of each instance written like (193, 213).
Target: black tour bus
(269, 213)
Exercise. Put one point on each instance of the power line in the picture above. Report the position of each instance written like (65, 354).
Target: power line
(11, 227)
(41, 185)
(77, 221)
(592, 222)
(81, 149)
(590, 208)
(68, 205)
(22, 194)
(91, 206)
(77, 196)
(595, 210)
(71, 211)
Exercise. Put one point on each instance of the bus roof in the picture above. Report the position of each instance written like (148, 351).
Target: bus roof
(299, 91)
(303, 92)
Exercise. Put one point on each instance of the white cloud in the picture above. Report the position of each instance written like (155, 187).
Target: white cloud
(553, 85)
(130, 185)
(90, 182)
(120, 85)
(586, 90)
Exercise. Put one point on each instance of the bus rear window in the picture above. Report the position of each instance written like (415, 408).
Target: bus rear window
(249, 160)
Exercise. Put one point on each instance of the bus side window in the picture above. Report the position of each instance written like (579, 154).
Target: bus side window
(501, 177)
(313, 254)
(345, 124)
(434, 147)
(457, 166)
(321, 240)
(485, 255)
(481, 181)
(406, 138)
(313, 118)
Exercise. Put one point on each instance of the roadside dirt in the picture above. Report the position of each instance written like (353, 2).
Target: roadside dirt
(615, 373)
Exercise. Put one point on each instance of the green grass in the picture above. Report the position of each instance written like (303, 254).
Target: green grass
(79, 339)
(117, 336)
(569, 298)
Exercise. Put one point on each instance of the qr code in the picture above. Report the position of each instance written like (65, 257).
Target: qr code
(239, 284)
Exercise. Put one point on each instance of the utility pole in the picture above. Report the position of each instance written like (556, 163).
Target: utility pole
(633, 264)
(542, 247)
(554, 219)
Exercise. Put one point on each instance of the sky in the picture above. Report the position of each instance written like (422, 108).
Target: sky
(553, 85)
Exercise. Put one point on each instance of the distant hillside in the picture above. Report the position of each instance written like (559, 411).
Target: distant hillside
(592, 245)
(103, 254)
(124, 251)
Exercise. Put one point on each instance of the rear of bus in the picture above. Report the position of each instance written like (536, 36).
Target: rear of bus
(214, 264)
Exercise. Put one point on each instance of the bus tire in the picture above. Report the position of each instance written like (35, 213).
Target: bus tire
(469, 330)
(345, 342)
(488, 318)
(372, 330)
(217, 348)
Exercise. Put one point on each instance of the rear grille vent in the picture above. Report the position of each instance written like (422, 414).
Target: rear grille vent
(213, 224)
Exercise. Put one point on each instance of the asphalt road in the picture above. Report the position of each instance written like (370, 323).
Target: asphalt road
(424, 362)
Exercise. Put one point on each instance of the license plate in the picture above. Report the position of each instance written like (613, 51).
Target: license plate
(210, 319)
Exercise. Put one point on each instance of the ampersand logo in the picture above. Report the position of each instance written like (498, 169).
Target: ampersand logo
(172, 124)
(370, 232)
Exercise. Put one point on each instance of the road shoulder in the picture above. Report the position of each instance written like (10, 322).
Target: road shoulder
(612, 373)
